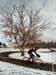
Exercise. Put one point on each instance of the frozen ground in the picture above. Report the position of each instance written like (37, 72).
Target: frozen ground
(15, 49)
(8, 49)
(46, 57)
(11, 69)
(49, 57)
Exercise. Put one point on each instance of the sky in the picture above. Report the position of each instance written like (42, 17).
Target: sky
(48, 11)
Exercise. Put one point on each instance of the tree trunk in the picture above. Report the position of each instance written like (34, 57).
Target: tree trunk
(23, 49)
(22, 53)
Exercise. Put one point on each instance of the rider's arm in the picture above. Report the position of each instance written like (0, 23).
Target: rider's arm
(37, 54)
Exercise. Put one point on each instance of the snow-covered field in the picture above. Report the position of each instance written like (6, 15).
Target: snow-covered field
(46, 57)
(15, 49)
(8, 49)
(11, 69)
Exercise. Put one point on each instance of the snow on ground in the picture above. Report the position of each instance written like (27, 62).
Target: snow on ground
(16, 49)
(42, 50)
(8, 49)
(46, 57)
(11, 69)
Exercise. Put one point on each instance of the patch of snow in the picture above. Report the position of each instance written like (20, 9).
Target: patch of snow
(42, 50)
(46, 57)
(11, 69)
(8, 49)
(17, 49)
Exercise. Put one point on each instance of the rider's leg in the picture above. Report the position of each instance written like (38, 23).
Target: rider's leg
(32, 58)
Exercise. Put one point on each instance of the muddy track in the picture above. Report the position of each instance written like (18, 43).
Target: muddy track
(43, 66)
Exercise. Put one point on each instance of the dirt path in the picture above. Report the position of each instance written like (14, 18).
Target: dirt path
(38, 65)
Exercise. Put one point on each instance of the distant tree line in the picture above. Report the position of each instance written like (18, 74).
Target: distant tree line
(44, 44)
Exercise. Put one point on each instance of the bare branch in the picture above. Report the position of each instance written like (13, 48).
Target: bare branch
(25, 25)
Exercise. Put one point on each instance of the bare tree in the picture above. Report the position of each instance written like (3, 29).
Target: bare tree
(23, 25)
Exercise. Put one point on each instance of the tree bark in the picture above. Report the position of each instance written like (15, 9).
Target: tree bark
(22, 53)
